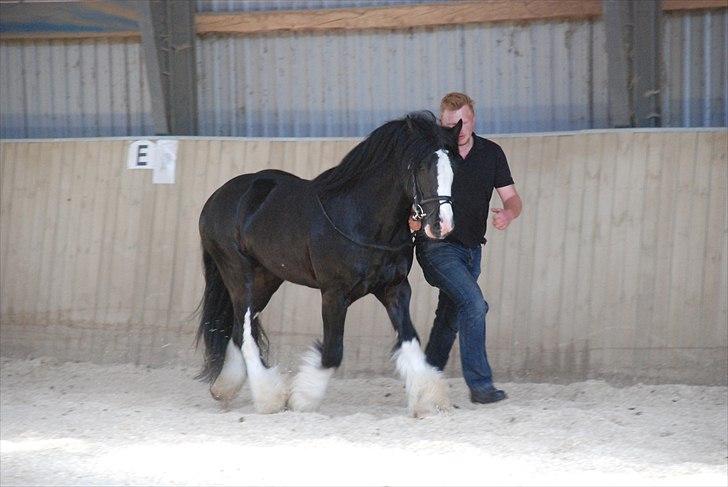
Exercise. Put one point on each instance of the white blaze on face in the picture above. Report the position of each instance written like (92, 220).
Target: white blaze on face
(444, 188)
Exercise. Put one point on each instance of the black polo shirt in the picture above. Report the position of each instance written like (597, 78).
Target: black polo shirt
(484, 168)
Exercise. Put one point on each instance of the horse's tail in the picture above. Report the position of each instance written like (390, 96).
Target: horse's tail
(216, 320)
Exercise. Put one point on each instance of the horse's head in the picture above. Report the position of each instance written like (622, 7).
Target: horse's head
(431, 182)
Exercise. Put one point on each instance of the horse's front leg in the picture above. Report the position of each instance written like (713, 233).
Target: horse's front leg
(426, 388)
(322, 359)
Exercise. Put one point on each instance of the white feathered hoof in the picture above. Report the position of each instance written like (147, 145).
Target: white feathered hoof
(309, 386)
(269, 390)
(267, 385)
(232, 376)
(426, 389)
(428, 395)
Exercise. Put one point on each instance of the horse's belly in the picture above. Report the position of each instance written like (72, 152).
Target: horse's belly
(285, 257)
(291, 271)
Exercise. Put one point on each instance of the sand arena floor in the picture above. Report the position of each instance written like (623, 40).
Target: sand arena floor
(84, 424)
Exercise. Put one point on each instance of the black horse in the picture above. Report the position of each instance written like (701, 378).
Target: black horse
(344, 232)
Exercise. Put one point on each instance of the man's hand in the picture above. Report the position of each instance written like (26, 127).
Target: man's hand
(501, 218)
(414, 225)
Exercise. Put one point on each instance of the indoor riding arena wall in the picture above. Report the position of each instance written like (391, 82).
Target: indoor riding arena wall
(616, 269)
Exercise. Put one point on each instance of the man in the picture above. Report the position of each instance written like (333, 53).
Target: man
(453, 265)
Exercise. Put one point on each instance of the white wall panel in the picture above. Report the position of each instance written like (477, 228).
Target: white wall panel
(616, 268)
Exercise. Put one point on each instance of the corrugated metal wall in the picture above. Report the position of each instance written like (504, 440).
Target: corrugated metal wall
(618, 267)
(532, 77)
(695, 46)
(529, 78)
(64, 88)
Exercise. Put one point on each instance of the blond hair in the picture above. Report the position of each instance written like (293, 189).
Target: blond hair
(455, 101)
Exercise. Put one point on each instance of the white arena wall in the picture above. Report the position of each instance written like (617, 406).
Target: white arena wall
(617, 268)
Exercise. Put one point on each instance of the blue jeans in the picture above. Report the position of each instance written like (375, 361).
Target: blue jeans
(461, 308)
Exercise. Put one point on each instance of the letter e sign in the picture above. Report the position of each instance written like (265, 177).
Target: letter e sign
(160, 156)
(141, 155)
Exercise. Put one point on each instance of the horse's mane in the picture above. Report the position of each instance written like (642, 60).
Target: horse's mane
(394, 146)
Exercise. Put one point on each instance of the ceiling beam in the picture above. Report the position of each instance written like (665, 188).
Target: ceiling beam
(117, 18)
(427, 15)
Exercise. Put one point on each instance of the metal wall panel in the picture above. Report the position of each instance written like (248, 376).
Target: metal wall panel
(533, 77)
(536, 77)
(62, 88)
(609, 272)
(696, 71)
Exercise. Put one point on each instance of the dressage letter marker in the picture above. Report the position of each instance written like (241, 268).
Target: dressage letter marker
(141, 155)
(161, 157)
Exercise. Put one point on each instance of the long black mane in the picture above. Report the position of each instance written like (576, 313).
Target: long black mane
(393, 146)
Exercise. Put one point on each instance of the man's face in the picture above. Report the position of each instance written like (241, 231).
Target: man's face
(448, 118)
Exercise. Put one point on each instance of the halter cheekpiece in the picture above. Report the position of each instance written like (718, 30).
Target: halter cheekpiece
(418, 201)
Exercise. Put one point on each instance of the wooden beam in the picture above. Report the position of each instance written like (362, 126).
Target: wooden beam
(453, 13)
(16, 17)
(674, 5)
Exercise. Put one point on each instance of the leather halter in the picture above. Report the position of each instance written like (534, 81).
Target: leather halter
(418, 201)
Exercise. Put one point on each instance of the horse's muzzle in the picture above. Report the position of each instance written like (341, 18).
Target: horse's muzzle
(438, 231)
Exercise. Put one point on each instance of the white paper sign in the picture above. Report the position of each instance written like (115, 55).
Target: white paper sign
(141, 155)
(160, 157)
(165, 161)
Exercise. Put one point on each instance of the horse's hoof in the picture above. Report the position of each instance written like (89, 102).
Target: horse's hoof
(309, 386)
(426, 409)
(225, 392)
(232, 376)
(270, 392)
(303, 403)
(430, 397)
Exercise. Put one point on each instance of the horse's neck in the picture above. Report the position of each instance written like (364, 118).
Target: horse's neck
(377, 207)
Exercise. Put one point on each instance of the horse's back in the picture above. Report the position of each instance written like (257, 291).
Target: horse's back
(266, 215)
(253, 188)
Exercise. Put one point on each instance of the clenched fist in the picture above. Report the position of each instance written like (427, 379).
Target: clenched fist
(501, 218)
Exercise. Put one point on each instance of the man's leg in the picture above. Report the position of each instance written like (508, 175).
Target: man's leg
(443, 333)
(454, 270)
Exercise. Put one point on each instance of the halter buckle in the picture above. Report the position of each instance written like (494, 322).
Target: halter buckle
(419, 212)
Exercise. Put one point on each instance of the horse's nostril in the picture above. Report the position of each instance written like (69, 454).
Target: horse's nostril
(429, 232)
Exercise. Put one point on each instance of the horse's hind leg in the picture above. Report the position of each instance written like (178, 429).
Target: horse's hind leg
(426, 388)
(266, 384)
(320, 361)
(233, 373)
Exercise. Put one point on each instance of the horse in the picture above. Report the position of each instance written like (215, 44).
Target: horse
(345, 233)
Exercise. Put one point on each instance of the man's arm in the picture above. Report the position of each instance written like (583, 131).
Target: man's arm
(512, 207)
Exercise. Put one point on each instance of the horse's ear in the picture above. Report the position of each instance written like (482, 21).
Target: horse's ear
(455, 131)
(410, 125)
